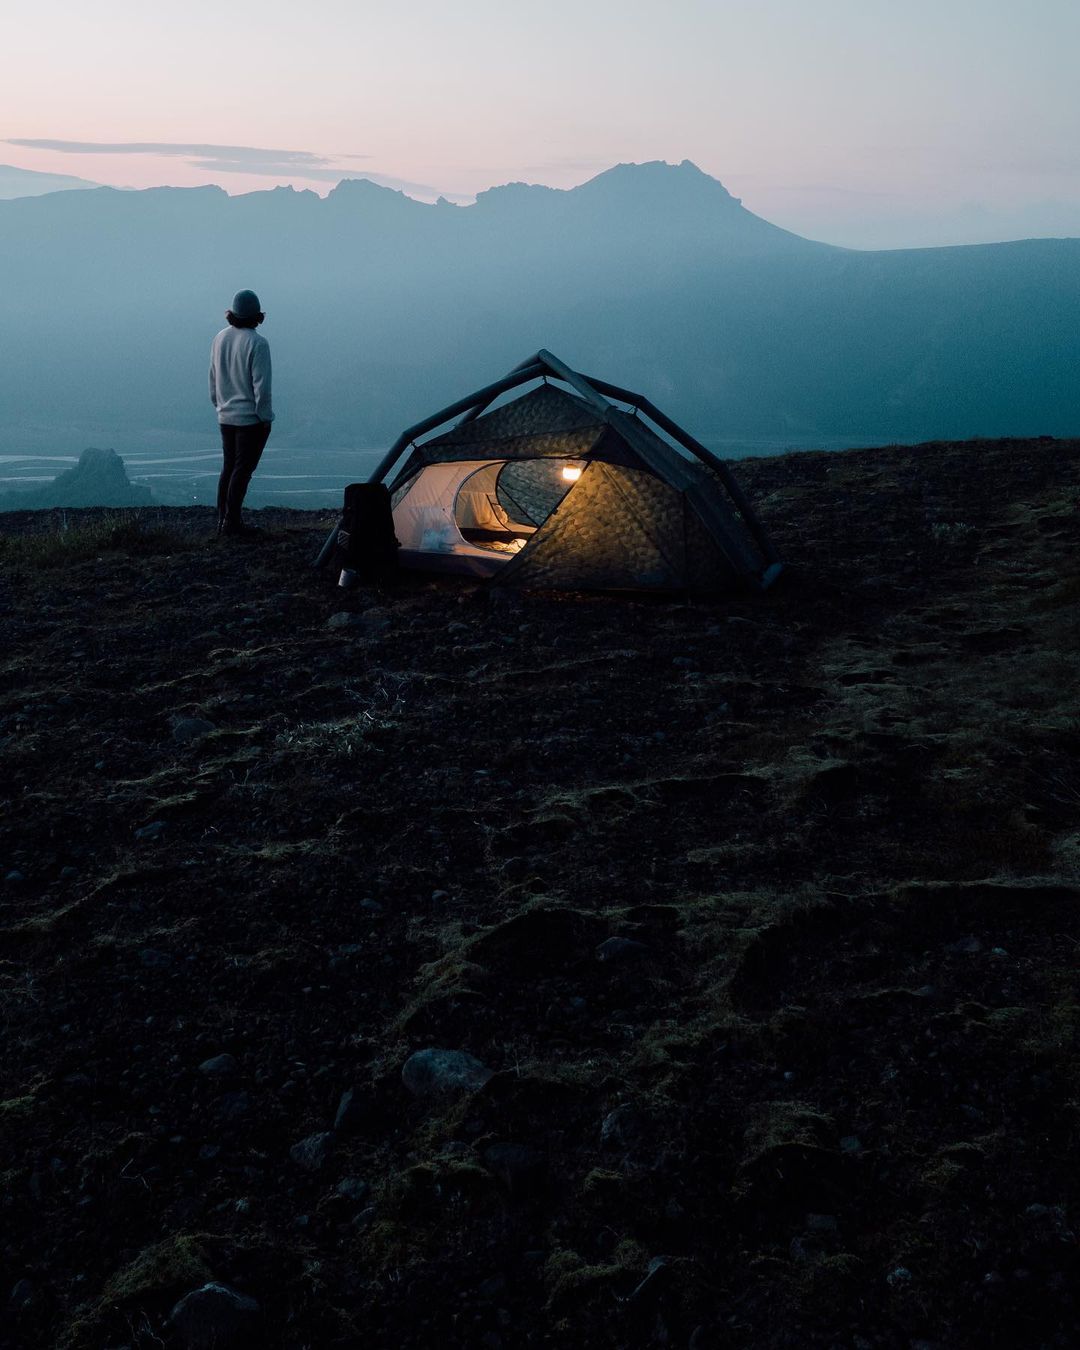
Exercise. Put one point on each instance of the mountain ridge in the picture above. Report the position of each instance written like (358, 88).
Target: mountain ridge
(382, 308)
(16, 183)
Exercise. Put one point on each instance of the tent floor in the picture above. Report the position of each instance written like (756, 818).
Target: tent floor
(469, 562)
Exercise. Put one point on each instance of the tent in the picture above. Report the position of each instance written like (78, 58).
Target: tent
(565, 487)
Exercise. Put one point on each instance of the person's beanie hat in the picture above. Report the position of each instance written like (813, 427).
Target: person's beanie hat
(246, 305)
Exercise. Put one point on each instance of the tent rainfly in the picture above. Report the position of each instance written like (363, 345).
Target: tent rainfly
(563, 487)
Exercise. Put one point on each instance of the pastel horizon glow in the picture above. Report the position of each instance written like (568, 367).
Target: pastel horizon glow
(862, 122)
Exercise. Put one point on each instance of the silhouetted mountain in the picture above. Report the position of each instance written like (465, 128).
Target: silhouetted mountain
(99, 479)
(30, 183)
(381, 308)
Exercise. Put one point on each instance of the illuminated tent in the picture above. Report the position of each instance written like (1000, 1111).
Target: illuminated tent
(575, 484)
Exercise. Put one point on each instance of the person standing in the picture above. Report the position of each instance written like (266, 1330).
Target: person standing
(240, 392)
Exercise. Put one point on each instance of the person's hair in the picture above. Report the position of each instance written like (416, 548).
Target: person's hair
(252, 322)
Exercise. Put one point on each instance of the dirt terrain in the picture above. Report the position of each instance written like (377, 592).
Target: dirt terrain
(759, 916)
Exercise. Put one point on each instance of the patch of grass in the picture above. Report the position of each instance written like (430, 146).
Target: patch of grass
(17, 1106)
(167, 1269)
(123, 532)
(572, 1281)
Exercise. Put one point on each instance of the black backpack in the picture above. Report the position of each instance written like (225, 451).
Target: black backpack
(366, 543)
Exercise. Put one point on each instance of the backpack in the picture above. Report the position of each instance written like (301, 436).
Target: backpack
(366, 544)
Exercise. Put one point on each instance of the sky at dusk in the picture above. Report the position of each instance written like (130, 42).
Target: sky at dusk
(872, 123)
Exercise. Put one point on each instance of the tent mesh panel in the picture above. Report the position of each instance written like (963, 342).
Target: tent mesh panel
(530, 489)
(617, 529)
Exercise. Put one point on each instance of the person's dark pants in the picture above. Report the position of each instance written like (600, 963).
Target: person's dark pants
(242, 447)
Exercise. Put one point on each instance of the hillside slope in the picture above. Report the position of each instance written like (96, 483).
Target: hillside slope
(826, 1071)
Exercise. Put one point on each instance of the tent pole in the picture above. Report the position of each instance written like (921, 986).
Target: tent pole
(522, 375)
(475, 411)
(577, 382)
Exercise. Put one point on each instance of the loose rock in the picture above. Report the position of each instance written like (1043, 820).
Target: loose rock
(311, 1153)
(215, 1317)
(430, 1073)
(353, 1110)
(219, 1066)
(352, 1188)
(621, 949)
(622, 1127)
(22, 1294)
(188, 729)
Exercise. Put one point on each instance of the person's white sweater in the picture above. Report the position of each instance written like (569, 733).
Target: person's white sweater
(240, 377)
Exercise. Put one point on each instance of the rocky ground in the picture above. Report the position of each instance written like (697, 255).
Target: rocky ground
(750, 929)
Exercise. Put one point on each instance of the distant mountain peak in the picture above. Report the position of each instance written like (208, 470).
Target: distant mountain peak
(372, 199)
(662, 203)
(655, 186)
(681, 182)
(358, 188)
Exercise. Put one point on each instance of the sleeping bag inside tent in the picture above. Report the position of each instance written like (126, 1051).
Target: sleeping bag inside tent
(563, 488)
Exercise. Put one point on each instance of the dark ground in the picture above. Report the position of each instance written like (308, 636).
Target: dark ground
(837, 1090)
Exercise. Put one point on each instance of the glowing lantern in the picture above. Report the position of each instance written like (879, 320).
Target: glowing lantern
(571, 473)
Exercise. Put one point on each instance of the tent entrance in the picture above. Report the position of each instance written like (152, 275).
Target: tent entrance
(474, 516)
(483, 519)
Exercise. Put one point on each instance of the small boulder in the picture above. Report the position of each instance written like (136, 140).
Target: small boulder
(215, 1317)
(219, 1066)
(623, 1127)
(311, 1153)
(353, 1110)
(344, 619)
(22, 1294)
(432, 1073)
(154, 830)
(188, 729)
(621, 949)
(352, 1188)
